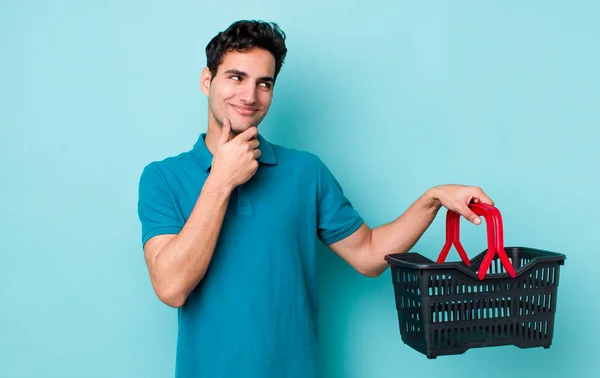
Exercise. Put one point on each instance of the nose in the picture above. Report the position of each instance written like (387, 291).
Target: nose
(248, 93)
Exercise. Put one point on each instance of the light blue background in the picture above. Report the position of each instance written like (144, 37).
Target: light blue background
(395, 97)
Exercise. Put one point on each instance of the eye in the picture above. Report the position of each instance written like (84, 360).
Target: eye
(236, 78)
(266, 85)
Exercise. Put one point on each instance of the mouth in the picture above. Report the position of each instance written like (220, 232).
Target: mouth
(244, 110)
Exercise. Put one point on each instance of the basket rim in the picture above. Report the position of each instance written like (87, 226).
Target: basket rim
(399, 259)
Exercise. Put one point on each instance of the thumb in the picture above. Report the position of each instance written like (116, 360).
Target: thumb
(225, 132)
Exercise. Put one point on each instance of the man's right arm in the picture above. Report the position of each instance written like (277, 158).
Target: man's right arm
(177, 263)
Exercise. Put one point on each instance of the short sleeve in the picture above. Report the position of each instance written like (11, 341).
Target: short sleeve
(156, 210)
(337, 218)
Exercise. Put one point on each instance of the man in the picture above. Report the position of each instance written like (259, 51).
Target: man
(230, 228)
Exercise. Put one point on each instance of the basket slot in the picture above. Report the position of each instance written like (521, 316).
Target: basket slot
(452, 337)
(412, 332)
(535, 330)
(535, 304)
(490, 308)
(496, 267)
(540, 278)
(408, 282)
(446, 285)
(409, 307)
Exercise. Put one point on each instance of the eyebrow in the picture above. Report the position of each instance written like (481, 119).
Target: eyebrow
(243, 74)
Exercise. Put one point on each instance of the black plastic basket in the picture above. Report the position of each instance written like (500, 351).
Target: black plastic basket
(447, 308)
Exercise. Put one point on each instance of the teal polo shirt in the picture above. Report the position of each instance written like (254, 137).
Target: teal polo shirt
(255, 312)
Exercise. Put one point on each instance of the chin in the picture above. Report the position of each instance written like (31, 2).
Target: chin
(240, 128)
(236, 129)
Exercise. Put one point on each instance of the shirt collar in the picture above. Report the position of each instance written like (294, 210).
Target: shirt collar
(204, 157)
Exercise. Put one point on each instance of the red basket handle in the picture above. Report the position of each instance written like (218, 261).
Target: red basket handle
(495, 237)
(453, 234)
(452, 237)
(479, 209)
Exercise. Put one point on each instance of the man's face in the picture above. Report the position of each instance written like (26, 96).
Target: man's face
(242, 88)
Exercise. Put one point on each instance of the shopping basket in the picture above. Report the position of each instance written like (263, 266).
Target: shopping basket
(503, 296)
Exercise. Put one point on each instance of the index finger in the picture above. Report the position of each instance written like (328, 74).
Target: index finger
(248, 134)
(485, 199)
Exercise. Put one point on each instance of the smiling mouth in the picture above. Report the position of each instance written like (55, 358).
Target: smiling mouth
(244, 110)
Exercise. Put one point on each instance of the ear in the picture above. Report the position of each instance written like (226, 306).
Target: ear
(205, 80)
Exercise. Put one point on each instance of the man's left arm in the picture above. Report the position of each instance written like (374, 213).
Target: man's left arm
(366, 248)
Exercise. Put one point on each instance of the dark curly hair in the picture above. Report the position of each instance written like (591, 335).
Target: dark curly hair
(244, 35)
